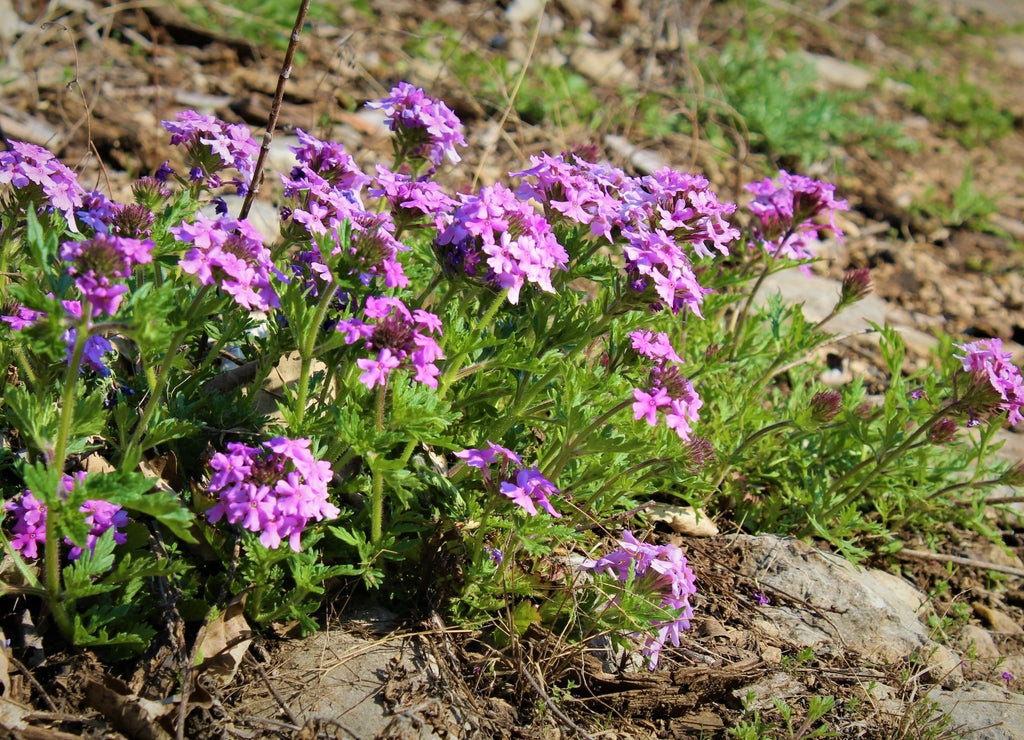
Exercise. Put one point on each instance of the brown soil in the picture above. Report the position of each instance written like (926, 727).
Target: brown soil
(93, 83)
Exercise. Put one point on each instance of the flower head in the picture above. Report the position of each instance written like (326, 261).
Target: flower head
(394, 336)
(29, 528)
(786, 210)
(496, 237)
(425, 128)
(211, 145)
(229, 252)
(986, 360)
(668, 390)
(100, 264)
(275, 489)
(41, 178)
(664, 570)
(526, 487)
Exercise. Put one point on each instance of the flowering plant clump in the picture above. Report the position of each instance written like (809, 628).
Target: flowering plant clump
(662, 571)
(390, 322)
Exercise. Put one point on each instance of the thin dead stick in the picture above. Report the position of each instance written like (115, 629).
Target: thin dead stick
(525, 672)
(970, 562)
(275, 109)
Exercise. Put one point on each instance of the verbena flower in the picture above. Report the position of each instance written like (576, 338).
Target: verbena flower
(100, 264)
(96, 346)
(412, 200)
(29, 528)
(396, 337)
(41, 179)
(669, 393)
(212, 145)
(661, 569)
(526, 487)
(986, 359)
(498, 238)
(275, 489)
(424, 127)
(785, 210)
(229, 252)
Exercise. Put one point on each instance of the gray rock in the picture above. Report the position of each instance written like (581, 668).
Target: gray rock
(982, 711)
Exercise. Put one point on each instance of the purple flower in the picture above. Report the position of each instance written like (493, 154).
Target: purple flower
(786, 210)
(530, 490)
(32, 168)
(229, 252)
(578, 191)
(99, 264)
(664, 570)
(96, 345)
(412, 200)
(986, 359)
(1008, 677)
(211, 145)
(668, 389)
(525, 486)
(424, 127)
(29, 527)
(503, 240)
(395, 337)
(275, 489)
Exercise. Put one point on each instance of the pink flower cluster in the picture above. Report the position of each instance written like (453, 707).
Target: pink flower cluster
(498, 237)
(656, 215)
(212, 144)
(28, 167)
(664, 570)
(397, 337)
(785, 211)
(425, 127)
(986, 358)
(668, 390)
(275, 489)
(526, 487)
(100, 264)
(29, 527)
(229, 252)
(326, 184)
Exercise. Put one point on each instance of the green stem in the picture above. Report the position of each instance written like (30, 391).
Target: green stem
(734, 457)
(572, 447)
(377, 494)
(60, 449)
(307, 350)
(880, 466)
(157, 388)
(452, 368)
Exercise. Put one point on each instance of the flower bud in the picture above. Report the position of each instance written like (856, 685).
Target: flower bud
(856, 285)
(943, 431)
(825, 405)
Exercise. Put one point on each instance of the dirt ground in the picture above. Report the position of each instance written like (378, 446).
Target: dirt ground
(92, 80)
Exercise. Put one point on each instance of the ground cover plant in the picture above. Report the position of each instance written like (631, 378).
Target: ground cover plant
(484, 379)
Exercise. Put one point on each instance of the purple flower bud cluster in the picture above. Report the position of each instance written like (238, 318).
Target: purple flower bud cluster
(275, 489)
(665, 571)
(28, 167)
(29, 528)
(499, 238)
(655, 214)
(785, 211)
(425, 128)
(986, 359)
(211, 145)
(229, 252)
(396, 337)
(668, 389)
(100, 264)
(526, 487)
